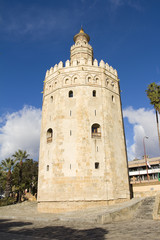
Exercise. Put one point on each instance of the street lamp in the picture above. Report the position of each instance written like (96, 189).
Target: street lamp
(145, 156)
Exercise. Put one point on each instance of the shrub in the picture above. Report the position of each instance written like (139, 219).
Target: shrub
(7, 201)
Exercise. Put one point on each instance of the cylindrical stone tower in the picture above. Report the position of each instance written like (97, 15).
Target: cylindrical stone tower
(82, 160)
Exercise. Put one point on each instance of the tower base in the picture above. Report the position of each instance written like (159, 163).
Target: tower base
(68, 206)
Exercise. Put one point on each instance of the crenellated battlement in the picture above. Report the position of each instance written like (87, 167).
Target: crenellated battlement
(82, 62)
(79, 73)
(81, 44)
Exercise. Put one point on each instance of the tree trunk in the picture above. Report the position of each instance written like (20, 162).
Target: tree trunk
(158, 127)
(8, 187)
(20, 183)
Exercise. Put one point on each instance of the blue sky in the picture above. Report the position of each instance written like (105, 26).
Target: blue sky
(35, 35)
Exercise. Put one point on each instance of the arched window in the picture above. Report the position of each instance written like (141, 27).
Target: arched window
(94, 93)
(89, 79)
(107, 82)
(96, 130)
(96, 80)
(75, 80)
(70, 94)
(49, 135)
(66, 81)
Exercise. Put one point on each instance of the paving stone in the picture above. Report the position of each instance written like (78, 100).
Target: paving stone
(29, 224)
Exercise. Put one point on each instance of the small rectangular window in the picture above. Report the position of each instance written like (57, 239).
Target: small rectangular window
(70, 94)
(94, 93)
(70, 132)
(70, 112)
(96, 165)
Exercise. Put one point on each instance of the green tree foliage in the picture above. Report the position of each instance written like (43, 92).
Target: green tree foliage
(2, 180)
(7, 166)
(29, 177)
(153, 93)
(18, 174)
(19, 157)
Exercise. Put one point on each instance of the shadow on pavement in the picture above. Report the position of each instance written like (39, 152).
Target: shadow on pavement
(50, 232)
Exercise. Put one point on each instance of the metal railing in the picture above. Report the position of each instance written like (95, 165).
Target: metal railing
(49, 139)
(96, 135)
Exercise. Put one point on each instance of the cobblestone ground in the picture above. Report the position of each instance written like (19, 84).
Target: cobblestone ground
(127, 230)
(45, 226)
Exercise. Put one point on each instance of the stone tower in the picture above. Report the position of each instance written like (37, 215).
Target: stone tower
(82, 160)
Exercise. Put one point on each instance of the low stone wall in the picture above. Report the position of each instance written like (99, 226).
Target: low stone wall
(124, 212)
(156, 209)
(145, 189)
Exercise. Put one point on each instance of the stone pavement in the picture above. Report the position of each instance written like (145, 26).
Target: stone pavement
(22, 221)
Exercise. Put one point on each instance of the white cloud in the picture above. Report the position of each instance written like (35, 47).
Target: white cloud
(144, 124)
(20, 130)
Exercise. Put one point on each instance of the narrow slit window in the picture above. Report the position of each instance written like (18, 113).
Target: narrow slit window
(94, 93)
(96, 165)
(97, 148)
(51, 99)
(113, 100)
(70, 113)
(70, 132)
(95, 112)
(47, 168)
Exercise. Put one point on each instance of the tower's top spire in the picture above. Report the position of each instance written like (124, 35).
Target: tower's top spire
(81, 35)
(81, 30)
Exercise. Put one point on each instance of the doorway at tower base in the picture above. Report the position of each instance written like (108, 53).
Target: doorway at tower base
(68, 206)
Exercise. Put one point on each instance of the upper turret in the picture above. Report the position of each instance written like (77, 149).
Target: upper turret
(81, 36)
(81, 49)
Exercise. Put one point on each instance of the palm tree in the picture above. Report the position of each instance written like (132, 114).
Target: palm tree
(7, 165)
(153, 93)
(19, 157)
